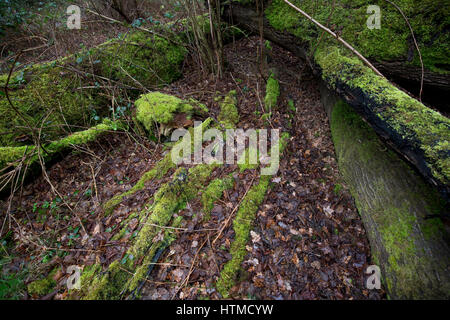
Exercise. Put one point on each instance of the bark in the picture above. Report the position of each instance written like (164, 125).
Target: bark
(395, 205)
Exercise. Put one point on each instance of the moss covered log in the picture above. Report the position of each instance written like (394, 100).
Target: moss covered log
(11, 157)
(122, 277)
(420, 134)
(157, 172)
(390, 48)
(68, 91)
(400, 211)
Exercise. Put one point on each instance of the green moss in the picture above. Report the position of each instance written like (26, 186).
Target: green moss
(85, 136)
(161, 108)
(10, 155)
(141, 270)
(43, 286)
(426, 129)
(429, 20)
(242, 225)
(393, 202)
(266, 117)
(157, 172)
(244, 160)
(409, 118)
(272, 93)
(337, 189)
(60, 96)
(229, 114)
(123, 276)
(214, 192)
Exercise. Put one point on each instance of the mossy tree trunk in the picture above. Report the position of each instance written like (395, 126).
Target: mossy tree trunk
(413, 130)
(394, 202)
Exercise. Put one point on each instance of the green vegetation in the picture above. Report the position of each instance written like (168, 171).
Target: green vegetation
(229, 113)
(11, 282)
(272, 93)
(123, 275)
(43, 286)
(10, 155)
(157, 172)
(429, 20)
(213, 192)
(393, 208)
(242, 225)
(337, 188)
(157, 107)
(53, 95)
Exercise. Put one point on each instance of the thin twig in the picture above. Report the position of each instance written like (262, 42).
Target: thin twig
(415, 43)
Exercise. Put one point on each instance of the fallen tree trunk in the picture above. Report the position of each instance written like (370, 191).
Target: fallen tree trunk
(418, 133)
(395, 204)
(399, 68)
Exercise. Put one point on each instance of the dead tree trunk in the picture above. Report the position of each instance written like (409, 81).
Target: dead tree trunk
(399, 209)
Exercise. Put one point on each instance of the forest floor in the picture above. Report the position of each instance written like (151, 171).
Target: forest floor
(307, 242)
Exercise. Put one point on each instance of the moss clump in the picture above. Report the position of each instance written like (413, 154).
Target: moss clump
(43, 286)
(229, 114)
(413, 122)
(272, 93)
(214, 192)
(157, 107)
